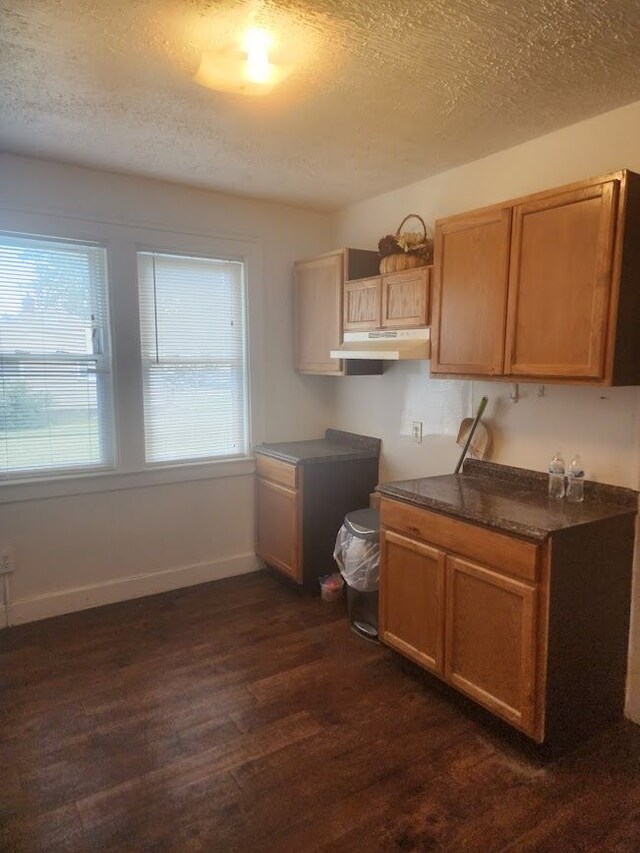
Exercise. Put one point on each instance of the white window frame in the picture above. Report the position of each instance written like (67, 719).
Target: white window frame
(122, 241)
(246, 376)
(103, 367)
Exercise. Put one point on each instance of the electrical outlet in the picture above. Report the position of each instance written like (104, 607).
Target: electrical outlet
(416, 432)
(6, 561)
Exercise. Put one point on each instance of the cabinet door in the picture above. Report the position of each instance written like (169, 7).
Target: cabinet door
(412, 599)
(318, 313)
(470, 275)
(490, 640)
(405, 298)
(560, 283)
(278, 527)
(362, 304)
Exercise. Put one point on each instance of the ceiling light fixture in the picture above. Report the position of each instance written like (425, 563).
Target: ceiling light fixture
(257, 44)
(244, 69)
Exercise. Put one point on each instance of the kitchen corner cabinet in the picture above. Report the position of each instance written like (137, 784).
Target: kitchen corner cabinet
(318, 298)
(300, 508)
(397, 300)
(545, 287)
(535, 632)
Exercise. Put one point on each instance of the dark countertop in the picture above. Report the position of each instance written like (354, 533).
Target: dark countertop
(512, 500)
(336, 446)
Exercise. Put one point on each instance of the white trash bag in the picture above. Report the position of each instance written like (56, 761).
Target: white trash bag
(358, 560)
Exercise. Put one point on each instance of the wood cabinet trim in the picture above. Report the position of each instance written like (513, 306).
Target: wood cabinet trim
(542, 643)
(413, 545)
(619, 175)
(321, 369)
(625, 208)
(433, 664)
(512, 556)
(277, 470)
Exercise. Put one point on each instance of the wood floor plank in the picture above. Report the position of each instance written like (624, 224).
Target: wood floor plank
(190, 811)
(241, 715)
(59, 830)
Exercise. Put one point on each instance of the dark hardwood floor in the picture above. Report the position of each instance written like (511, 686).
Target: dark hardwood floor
(240, 715)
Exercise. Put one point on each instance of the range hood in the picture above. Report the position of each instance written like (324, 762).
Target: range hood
(397, 345)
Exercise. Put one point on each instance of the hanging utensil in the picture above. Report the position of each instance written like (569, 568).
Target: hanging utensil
(469, 427)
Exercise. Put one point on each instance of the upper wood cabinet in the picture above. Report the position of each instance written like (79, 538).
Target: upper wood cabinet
(362, 304)
(397, 300)
(471, 276)
(560, 283)
(405, 298)
(318, 294)
(543, 287)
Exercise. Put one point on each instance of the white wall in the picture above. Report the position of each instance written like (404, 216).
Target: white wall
(603, 425)
(79, 550)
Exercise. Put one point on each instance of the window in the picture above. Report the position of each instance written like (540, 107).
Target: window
(55, 388)
(192, 324)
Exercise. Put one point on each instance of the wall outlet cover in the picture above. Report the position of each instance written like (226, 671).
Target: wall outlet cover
(416, 431)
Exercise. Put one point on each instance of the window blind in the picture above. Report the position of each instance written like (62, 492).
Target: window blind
(55, 388)
(193, 339)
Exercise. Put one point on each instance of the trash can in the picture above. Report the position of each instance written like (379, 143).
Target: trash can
(357, 554)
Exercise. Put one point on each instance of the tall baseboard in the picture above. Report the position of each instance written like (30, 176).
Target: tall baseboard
(121, 589)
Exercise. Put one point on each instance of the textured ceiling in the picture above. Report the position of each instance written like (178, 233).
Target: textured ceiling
(385, 92)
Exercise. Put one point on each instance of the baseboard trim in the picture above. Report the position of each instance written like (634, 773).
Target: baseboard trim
(632, 705)
(49, 604)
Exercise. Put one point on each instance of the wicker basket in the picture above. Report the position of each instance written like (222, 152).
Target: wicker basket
(408, 260)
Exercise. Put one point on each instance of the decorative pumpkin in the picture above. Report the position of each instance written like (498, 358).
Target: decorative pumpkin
(403, 251)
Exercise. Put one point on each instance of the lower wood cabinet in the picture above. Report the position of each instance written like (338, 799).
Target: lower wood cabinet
(278, 527)
(536, 632)
(300, 508)
(462, 621)
(490, 639)
(411, 615)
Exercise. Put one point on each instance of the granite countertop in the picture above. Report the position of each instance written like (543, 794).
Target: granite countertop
(513, 500)
(336, 446)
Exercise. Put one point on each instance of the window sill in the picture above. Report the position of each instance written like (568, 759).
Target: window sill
(113, 481)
